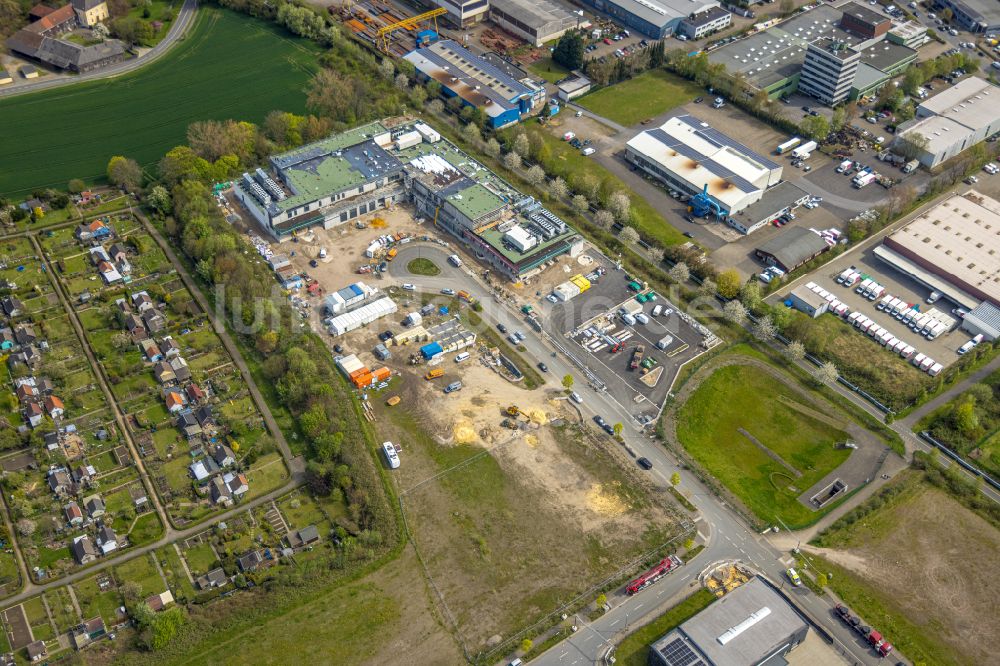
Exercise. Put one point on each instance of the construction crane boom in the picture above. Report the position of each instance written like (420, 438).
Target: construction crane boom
(384, 33)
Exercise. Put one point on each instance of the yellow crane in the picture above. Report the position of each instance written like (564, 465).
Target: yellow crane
(382, 37)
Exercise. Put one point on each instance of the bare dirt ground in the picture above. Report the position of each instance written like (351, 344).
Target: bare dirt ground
(934, 559)
(512, 524)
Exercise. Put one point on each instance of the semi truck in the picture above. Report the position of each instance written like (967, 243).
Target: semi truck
(788, 145)
(803, 151)
(871, 636)
(662, 568)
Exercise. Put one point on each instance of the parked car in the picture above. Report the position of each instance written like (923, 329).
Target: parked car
(409, 287)
(543, 367)
(448, 292)
(502, 328)
(644, 463)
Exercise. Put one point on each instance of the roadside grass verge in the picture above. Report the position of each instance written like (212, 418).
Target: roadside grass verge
(644, 96)
(634, 650)
(739, 397)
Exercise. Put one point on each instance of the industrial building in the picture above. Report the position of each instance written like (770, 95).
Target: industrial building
(653, 18)
(478, 82)
(819, 52)
(952, 248)
(464, 13)
(791, 249)
(911, 34)
(749, 626)
(572, 88)
(879, 64)
(808, 301)
(780, 199)
(953, 121)
(535, 21)
(688, 155)
(711, 20)
(984, 319)
(361, 170)
(973, 15)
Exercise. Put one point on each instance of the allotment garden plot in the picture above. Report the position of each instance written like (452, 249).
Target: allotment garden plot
(785, 455)
(192, 419)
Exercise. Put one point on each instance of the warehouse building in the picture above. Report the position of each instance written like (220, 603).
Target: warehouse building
(477, 82)
(879, 64)
(464, 13)
(780, 199)
(953, 248)
(984, 319)
(791, 249)
(687, 154)
(535, 21)
(808, 301)
(572, 88)
(359, 171)
(973, 15)
(653, 18)
(953, 121)
(750, 626)
(712, 20)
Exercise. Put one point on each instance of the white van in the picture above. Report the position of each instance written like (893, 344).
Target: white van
(657, 309)
(391, 457)
(464, 356)
(628, 319)
(642, 318)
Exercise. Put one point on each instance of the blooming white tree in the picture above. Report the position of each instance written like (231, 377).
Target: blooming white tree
(796, 351)
(735, 312)
(558, 188)
(826, 373)
(512, 161)
(580, 203)
(628, 235)
(535, 175)
(620, 205)
(679, 273)
(764, 330)
(604, 219)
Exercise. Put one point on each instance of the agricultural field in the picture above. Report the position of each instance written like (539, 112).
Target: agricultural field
(748, 428)
(970, 424)
(644, 96)
(229, 66)
(499, 516)
(915, 562)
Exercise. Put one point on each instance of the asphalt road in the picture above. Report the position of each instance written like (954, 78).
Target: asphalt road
(183, 20)
(725, 536)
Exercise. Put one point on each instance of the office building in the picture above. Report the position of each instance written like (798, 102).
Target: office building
(712, 20)
(911, 34)
(977, 16)
(828, 71)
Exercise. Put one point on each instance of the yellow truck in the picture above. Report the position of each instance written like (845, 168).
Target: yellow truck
(434, 374)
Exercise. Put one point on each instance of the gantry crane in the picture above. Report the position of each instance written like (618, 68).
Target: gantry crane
(382, 37)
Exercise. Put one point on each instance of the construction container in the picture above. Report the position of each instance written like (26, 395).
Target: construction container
(566, 291)
(382, 374)
(362, 380)
(363, 316)
(581, 282)
(414, 319)
(431, 350)
(349, 364)
(279, 261)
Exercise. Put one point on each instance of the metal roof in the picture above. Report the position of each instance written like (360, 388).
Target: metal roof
(662, 12)
(794, 247)
(985, 317)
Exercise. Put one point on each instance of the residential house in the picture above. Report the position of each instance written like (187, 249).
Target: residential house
(61, 483)
(95, 230)
(94, 506)
(84, 474)
(90, 12)
(158, 602)
(175, 402)
(163, 373)
(194, 393)
(223, 456)
(51, 440)
(303, 537)
(169, 347)
(83, 549)
(12, 306)
(74, 514)
(250, 561)
(122, 306)
(219, 491)
(88, 632)
(33, 414)
(150, 350)
(24, 334)
(107, 540)
(7, 340)
(54, 406)
(180, 367)
(237, 484)
(36, 651)
(142, 301)
(26, 393)
(120, 258)
(188, 424)
(136, 327)
(214, 578)
(108, 272)
(205, 417)
(154, 319)
(29, 356)
(99, 255)
(44, 385)
(84, 297)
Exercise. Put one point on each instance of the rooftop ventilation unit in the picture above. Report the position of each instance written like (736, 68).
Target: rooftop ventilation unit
(269, 185)
(255, 190)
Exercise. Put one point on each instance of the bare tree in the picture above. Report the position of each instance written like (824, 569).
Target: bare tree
(628, 235)
(735, 312)
(580, 203)
(679, 273)
(620, 205)
(604, 219)
(795, 351)
(535, 175)
(558, 188)
(512, 161)
(435, 106)
(764, 330)
(826, 373)
(402, 81)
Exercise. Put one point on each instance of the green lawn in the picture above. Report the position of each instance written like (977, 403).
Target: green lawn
(647, 95)
(739, 396)
(141, 570)
(548, 69)
(230, 66)
(422, 266)
(94, 602)
(200, 558)
(634, 650)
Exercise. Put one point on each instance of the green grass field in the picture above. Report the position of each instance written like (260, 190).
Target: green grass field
(548, 69)
(738, 396)
(648, 95)
(229, 66)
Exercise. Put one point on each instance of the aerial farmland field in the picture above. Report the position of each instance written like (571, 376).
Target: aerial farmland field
(229, 66)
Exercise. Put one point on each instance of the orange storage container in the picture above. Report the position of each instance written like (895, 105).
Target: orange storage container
(363, 380)
(382, 374)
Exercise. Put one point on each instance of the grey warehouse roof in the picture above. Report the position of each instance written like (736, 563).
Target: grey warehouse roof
(746, 626)
(985, 317)
(543, 16)
(778, 198)
(662, 12)
(793, 246)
